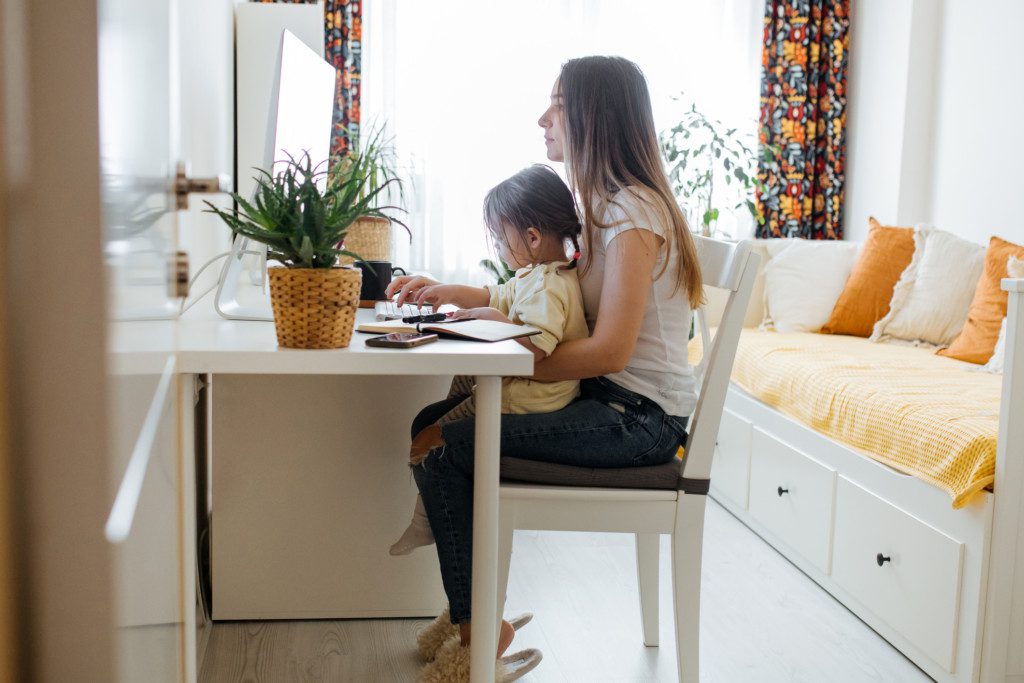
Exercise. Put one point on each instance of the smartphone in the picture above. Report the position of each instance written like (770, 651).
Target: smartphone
(401, 340)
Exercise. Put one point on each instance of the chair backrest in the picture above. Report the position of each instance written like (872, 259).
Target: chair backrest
(733, 267)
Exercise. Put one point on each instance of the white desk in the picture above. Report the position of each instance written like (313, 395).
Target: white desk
(206, 344)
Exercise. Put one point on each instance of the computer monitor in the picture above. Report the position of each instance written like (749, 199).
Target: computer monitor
(300, 120)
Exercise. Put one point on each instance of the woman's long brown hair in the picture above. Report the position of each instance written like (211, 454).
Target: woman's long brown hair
(611, 145)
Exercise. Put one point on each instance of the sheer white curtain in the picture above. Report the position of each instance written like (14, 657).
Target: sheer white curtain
(461, 84)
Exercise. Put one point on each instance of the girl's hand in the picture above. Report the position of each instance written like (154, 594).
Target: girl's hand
(482, 313)
(438, 295)
(409, 288)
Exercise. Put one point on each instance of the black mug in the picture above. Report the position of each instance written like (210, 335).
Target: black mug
(376, 278)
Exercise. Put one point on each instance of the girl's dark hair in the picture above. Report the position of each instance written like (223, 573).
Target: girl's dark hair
(612, 145)
(534, 198)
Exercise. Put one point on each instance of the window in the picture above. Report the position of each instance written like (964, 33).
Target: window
(461, 85)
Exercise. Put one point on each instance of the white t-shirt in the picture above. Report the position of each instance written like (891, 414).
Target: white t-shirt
(659, 367)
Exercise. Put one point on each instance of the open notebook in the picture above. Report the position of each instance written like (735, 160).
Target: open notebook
(478, 330)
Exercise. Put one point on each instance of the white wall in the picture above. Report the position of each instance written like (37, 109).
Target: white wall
(207, 125)
(979, 133)
(933, 97)
(879, 45)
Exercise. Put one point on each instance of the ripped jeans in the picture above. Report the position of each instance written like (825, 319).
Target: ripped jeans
(607, 426)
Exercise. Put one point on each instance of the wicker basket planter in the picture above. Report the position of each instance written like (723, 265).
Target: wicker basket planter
(370, 238)
(314, 308)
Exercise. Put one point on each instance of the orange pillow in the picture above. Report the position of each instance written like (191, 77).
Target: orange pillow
(865, 299)
(978, 339)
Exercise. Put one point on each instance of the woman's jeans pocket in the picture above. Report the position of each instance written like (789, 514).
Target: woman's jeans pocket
(655, 436)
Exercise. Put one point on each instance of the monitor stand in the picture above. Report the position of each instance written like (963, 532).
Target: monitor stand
(256, 304)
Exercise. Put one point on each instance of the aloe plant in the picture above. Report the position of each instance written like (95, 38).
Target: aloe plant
(303, 225)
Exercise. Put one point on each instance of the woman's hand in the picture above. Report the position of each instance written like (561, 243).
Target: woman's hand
(409, 287)
(481, 313)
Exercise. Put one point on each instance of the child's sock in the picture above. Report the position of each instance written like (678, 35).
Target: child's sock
(417, 534)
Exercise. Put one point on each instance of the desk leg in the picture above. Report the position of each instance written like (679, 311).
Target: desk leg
(484, 642)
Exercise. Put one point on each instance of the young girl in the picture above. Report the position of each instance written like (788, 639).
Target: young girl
(530, 217)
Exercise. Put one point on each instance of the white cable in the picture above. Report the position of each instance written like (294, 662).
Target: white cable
(196, 300)
(195, 277)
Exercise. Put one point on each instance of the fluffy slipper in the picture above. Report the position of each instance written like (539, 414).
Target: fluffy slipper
(452, 665)
(518, 664)
(430, 639)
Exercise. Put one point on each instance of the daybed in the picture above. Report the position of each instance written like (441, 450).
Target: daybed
(871, 467)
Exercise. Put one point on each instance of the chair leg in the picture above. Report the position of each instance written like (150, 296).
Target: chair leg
(647, 547)
(686, 567)
(506, 527)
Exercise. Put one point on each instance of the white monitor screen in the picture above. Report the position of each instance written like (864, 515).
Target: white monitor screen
(300, 120)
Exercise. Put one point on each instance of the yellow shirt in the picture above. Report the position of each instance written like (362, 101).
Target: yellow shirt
(549, 299)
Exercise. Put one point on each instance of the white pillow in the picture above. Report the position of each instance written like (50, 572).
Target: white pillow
(1014, 268)
(803, 281)
(931, 299)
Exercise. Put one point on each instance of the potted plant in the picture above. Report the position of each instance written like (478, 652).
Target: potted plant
(303, 218)
(701, 152)
(498, 269)
(373, 158)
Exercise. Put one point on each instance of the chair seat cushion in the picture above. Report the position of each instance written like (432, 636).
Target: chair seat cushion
(663, 477)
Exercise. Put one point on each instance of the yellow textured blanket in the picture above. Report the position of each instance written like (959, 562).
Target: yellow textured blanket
(926, 415)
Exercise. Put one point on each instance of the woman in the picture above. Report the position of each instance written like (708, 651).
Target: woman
(640, 279)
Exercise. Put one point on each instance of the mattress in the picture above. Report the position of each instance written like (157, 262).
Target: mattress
(932, 417)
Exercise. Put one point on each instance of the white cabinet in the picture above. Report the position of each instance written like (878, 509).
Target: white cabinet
(791, 495)
(730, 470)
(147, 529)
(900, 568)
(311, 485)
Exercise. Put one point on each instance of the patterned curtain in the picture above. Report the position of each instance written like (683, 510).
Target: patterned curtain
(803, 117)
(343, 33)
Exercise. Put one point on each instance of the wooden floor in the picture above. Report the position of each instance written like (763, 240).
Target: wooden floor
(762, 620)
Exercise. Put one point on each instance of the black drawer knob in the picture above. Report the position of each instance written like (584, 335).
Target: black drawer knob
(781, 491)
(882, 559)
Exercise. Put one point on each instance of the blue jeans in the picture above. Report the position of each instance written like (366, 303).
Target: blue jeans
(607, 426)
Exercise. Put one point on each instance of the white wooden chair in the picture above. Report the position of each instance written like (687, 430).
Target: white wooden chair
(676, 507)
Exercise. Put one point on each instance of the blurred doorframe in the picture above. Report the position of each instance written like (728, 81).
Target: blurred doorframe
(55, 590)
(8, 646)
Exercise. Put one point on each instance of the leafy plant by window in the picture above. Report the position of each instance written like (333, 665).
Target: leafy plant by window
(701, 153)
(303, 217)
(499, 269)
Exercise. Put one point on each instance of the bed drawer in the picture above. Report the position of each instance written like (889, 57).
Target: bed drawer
(916, 590)
(730, 470)
(791, 495)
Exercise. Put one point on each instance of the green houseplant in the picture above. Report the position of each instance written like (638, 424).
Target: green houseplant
(303, 214)
(373, 158)
(701, 152)
(498, 269)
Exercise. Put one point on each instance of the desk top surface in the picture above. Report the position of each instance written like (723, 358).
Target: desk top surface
(206, 343)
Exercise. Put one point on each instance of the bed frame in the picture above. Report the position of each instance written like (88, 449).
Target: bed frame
(944, 586)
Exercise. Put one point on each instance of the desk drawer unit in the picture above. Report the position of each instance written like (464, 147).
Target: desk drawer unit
(730, 470)
(791, 494)
(903, 570)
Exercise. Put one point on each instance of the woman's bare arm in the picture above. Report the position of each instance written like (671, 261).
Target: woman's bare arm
(629, 266)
